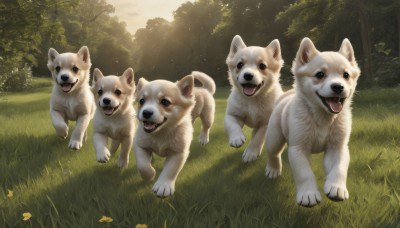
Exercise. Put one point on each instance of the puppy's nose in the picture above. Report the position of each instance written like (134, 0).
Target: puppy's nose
(337, 88)
(147, 114)
(248, 76)
(106, 101)
(64, 77)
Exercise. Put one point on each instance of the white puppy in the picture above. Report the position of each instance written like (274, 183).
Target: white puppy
(114, 116)
(254, 76)
(315, 117)
(205, 104)
(165, 128)
(71, 98)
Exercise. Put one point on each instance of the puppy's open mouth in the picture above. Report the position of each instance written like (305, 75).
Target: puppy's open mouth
(66, 87)
(149, 126)
(251, 89)
(334, 104)
(109, 110)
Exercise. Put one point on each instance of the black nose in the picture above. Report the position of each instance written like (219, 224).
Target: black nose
(337, 88)
(147, 114)
(106, 101)
(248, 76)
(64, 77)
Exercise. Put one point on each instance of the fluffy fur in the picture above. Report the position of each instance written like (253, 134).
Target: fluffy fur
(315, 117)
(205, 104)
(254, 76)
(71, 98)
(165, 128)
(115, 116)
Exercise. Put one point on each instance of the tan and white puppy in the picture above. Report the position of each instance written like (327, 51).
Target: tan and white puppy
(71, 98)
(165, 128)
(254, 76)
(115, 116)
(315, 117)
(205, 104)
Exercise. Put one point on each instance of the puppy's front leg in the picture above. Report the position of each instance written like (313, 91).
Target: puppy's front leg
(336, 164)
(143, 163)
(100, 145)
(257, 141)
(165, 185)
(59, 123)
(307, 191)
(233, 127)
(79, 132)
(126, 145)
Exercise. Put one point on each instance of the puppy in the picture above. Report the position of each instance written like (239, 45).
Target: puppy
(114, 116)
(254, 76)
(71, 98)
(205, 104)
(315, 117)
(165, 127)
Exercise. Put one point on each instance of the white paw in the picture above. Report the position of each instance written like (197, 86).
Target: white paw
(122, 162)
(103, 156)
(250, 155)
(308, 197)
(237, 140)
(62, 131)
(164, 188)
(203, 139)
(272, 173)
(336, 192)
(75, 144)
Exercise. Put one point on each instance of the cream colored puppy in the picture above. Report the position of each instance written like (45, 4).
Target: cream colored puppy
(205, 104)
(254, 76)
(115, 116)
(165, 128)
(71, 98)
(315, 117)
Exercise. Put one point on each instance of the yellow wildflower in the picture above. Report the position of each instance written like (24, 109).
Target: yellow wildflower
(26, 216)
(141, 226)
(105, 219)
(10, 193)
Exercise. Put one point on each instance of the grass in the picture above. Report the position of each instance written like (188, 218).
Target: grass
(65, 188)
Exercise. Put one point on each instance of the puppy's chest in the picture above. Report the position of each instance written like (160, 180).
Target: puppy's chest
(256, 113)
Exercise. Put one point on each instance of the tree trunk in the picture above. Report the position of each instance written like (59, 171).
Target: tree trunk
(365, 39)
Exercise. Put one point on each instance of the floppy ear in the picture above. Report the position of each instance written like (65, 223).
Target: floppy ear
(52, 55)
(346, 49)
(306, 51)
(140, 84)
(186, 85)
(83, 53)
(128, 77)
(97, 75)
(236, 45)
(275, 48)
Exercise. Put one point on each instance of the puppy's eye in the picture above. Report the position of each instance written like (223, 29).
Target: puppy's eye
(320, 75)
(141, 101)
(100, 92)
(75, 69)
(118, 92)
(346, 75)
(58, 68)
(262, 66)
(239, 65)
(165, 102)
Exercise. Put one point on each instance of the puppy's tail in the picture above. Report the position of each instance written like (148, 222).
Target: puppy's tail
(207, 82)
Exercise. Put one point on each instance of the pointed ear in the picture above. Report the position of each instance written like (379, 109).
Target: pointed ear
(140, 84)
(97, 75)
(275, 49)
(236, 45)
(128, 77)
(186, 85)
(52, 54)
(306, 51)
(346, 49)
(83, 53)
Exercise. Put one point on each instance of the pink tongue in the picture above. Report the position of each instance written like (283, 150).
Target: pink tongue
(149, 126)
(108, 110)
(249, 90)
(66, 87)
(335, 104)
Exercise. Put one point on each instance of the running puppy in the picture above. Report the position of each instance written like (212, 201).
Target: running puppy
(315, 117)
(71, 98)
(165, 128)
(254, 76)
(114, 116)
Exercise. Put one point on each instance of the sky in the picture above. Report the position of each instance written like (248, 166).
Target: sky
(136, 12)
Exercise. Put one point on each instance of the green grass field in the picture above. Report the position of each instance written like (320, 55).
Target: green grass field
(65, 188)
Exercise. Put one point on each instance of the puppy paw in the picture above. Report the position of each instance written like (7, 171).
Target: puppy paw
(250, 155)
(103, 156)
(272, 173)
(203, 139)
(122, 162)
(336, 192)
(308, 197)
(75, 145)
(237, 140)
(62, 131)
(147, 172)
(164, 188)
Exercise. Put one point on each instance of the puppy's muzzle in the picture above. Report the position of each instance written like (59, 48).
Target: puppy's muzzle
(107, 109)
(150, 126)
(337, 88)
(65, 85)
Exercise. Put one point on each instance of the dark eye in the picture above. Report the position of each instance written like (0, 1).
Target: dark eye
(262, 66)
(58, 68)
(320, 75)
(100, 92)
(165, 102)
(75, 69)
(118, 92)
(346, 75)
(239, 65)
(141, 101)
